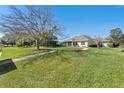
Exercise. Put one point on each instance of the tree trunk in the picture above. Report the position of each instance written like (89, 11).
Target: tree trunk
(98, 46)
(37, 44)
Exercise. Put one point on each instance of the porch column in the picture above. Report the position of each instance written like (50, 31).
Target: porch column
(67, 43)
(72, 43)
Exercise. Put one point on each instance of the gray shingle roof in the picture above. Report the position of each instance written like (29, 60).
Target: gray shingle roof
(79, 38)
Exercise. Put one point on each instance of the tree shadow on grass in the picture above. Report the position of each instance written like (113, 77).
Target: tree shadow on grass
(52, 57)
(58, 53)
(82, 53)
(100, 53)
(63, 57)
(7, 66)
(38, 58)
(31, 61)
(85, 53)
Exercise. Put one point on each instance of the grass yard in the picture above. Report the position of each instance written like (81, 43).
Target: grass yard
(12, 52)
(69, 68)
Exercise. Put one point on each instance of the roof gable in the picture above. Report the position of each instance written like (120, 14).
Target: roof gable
(79, 38)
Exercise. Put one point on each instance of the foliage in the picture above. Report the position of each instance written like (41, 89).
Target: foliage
(24, 40)
(110, 44)
(48, 40)
(116, 37)
(34, 20)
(93, 45)
(98, 41)
(121, 50)
(9, 39)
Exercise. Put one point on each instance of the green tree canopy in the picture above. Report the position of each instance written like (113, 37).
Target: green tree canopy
(116, 36)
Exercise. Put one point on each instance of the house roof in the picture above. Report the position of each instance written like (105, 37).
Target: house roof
(105, 41)
(79, 38)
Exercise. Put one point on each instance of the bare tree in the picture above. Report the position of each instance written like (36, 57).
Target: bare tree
(98, 41)
(34, 20)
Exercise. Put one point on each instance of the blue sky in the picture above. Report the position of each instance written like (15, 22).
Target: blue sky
(88, 20)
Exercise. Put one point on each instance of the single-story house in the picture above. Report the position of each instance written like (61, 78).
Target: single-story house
(83, 41)
(105, 43)
(79, 41)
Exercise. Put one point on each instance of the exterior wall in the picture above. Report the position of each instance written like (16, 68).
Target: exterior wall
(79, 44)
(105, 44)
(83, 45)
(67, 43)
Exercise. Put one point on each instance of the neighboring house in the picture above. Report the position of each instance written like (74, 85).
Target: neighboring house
(105, 43)
(79, 41)
(102, 43)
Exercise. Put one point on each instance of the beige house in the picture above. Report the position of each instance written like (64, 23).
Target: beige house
(105, 43)
(79, 41)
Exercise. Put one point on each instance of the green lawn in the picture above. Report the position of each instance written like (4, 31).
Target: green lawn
(69, 68)
(12, 52)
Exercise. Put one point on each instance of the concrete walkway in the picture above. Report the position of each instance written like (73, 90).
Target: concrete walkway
(30, 56)
(85, 49)
(1, 54)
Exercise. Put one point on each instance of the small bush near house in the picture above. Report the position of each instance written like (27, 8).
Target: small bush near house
(121, 46)
(110, 44)
(113, 45)
(93, 45)
(121, 50)
(23, 44)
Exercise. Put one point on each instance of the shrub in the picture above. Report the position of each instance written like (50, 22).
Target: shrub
(23, 44)
(93, 45)
(19, 44)
(110, 44)
(113, 44)
(121, 50)
(121, 46)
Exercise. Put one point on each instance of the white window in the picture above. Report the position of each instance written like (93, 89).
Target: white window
(82, 43)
